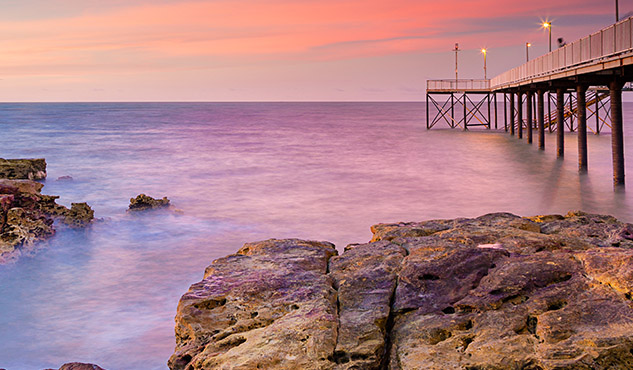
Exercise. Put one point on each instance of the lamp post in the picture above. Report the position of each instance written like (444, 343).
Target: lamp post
(617, 12)
(456, 50)
(527, 51)
(548, 25)
(484, 52)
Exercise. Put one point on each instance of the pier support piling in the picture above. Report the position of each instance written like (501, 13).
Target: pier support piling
(520, 115)
(581, 106)
(617, 134)
(560, 122)
(541, 120)
(512, 113)
(505, 112)
(529, 116)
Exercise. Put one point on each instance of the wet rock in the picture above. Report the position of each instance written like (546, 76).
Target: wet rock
(493, 292)
(144, 202)
(365, 277)
(79, 366)
(27, 216)
(271, 305)
(23, 169)
(79, 215)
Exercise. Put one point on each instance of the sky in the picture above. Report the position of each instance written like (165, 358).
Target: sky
(270, 50)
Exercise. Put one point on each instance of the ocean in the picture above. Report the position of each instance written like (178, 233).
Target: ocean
(241, 172)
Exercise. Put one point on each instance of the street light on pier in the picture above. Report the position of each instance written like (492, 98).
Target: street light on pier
(527, 51)
(548, 25)
(484, 52)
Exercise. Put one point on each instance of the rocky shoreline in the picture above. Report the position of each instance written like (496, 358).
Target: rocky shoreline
(27, 215)
(493, 292)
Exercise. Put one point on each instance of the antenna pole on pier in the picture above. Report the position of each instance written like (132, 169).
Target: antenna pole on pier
(456, 51)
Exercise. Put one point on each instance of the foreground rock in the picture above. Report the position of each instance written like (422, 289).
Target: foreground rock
(494, 292)
(144, 202)
(27, 216)
(23, 169)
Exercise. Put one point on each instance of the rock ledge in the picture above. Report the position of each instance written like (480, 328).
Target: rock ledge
(493, 292)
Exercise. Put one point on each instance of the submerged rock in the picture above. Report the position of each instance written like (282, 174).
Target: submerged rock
(493, 292)
(144, 202)
(23, 169)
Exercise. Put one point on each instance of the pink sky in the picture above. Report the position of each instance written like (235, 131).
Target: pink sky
(269, 50)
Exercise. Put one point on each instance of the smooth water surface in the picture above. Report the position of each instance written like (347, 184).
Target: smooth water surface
(242, 172)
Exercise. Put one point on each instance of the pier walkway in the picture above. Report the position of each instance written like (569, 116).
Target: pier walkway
(587, 75)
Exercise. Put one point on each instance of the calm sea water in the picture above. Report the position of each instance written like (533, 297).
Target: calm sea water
(244, 172)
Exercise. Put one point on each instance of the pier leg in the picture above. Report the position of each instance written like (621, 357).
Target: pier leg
(560, 122)
(427, 112)
(529, 116)
(494, 95)
(520, 115)
(617, 134)
(541, 120)
(597, 114)
(505, 111)
(534, 113)
(512, 113)
(549, 110)
(489, 115)
(453, 110)
(465, 114)
(581, 104)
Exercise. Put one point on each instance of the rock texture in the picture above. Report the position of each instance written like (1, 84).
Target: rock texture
(490, 293)
(144, 202)
(23, 169)
(27, 216)
(78, 366)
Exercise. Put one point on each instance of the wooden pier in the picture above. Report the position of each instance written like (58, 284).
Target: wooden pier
(587, 75)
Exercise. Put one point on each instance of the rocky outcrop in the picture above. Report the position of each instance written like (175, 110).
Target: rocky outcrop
(494, 292)
(23, 169)
(78, 366)
(144, 202)
(27, 216)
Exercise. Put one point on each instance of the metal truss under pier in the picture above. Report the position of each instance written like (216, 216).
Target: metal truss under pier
(466, 103)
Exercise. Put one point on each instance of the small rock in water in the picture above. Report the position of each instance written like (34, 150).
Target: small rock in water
(65, 178)
(79, 215)
(144, 202)
(78, 366)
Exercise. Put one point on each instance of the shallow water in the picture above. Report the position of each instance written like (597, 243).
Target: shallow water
(242, 172)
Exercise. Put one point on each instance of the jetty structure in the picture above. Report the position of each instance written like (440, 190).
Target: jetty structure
(587, 75)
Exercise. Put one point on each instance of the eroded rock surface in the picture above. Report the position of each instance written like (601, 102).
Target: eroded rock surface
(495, 292)
(23, 169)
(144, 202)
(27, 216)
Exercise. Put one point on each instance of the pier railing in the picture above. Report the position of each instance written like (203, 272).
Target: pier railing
(458, 85)
(608, 42)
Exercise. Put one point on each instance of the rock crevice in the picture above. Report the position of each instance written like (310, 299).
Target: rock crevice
(493, 292)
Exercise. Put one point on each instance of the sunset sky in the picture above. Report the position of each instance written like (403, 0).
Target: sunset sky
(269, 50)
